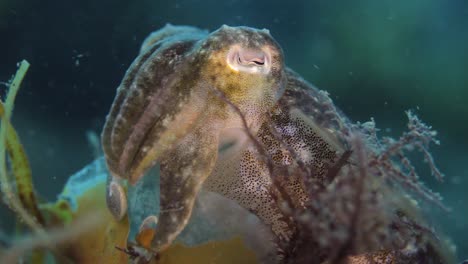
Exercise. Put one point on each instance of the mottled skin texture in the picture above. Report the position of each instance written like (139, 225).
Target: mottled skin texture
(171, 107)
(244, 177)
(180, 104)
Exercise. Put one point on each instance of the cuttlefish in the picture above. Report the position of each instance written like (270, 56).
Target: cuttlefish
(207, 107)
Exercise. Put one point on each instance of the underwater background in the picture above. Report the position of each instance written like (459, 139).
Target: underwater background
(375, 58)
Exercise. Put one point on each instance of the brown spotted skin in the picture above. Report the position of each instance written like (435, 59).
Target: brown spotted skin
(172, 107)
(175, 106)
(244, 177)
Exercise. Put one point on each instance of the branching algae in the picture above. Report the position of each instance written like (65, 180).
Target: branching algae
(220, 115)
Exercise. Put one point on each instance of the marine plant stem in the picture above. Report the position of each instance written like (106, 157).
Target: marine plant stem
(21, 170)
(7, 191)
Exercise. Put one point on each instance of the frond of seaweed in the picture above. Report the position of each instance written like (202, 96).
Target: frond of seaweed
(20, 197)
(21, 171)
(26, 206)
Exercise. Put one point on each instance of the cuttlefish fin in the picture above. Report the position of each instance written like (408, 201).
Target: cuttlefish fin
(183, 172)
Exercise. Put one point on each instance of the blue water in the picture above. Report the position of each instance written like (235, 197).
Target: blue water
(375, 58)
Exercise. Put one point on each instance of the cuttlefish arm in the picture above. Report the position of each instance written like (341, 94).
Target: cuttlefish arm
(183, 171)
(148, 114)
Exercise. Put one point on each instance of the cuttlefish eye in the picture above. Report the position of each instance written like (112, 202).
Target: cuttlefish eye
(246, 57)
(249, 60)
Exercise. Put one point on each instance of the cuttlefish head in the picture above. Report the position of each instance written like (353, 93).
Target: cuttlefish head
(237, 75)
(172, 106)
(246, 65)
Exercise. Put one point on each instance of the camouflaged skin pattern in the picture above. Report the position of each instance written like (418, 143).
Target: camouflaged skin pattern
(184, 103)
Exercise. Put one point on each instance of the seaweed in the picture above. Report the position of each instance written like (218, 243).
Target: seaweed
(369, 211)
(77, 228)
(26, 206)
(20, 197)
(366, 210)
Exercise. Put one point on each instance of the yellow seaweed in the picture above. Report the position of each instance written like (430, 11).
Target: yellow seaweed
(69, 240)
(230, 251)
(7, 190)
(21, 170)
(96, 245)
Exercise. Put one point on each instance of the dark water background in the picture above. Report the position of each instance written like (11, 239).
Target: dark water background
(376, 58)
